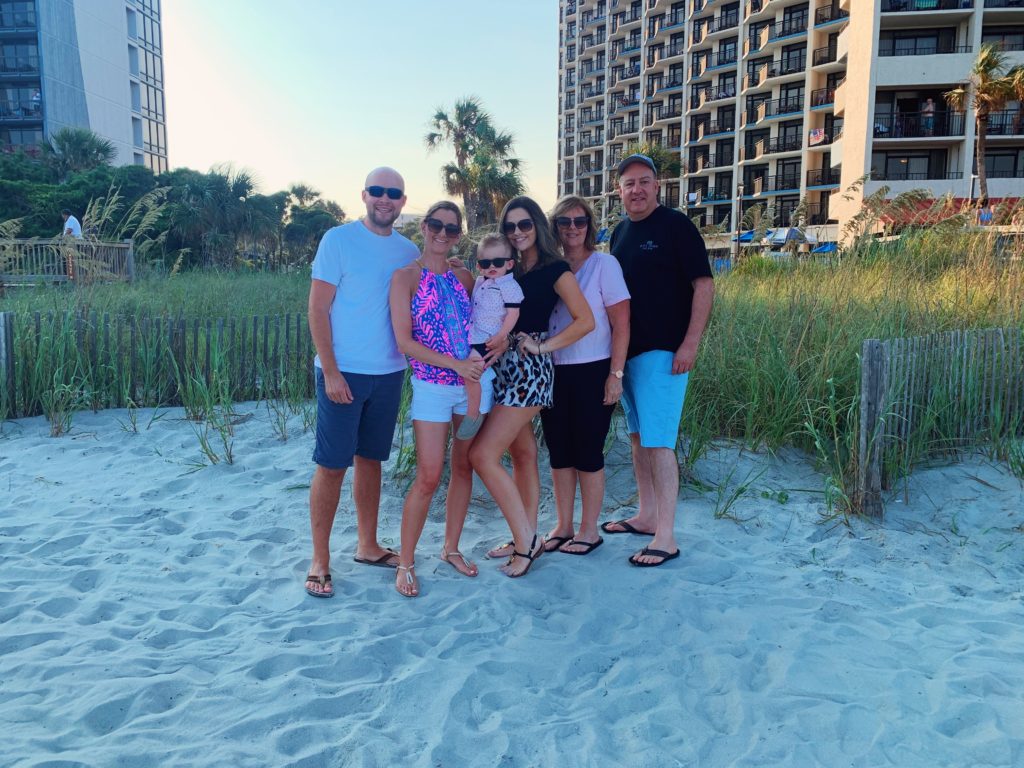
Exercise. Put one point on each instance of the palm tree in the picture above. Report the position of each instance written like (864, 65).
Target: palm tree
(987, 90)
(467, 127)
(665, 160)
(304, 194)
(71, 150)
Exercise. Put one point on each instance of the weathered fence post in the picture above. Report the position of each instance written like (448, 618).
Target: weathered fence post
(873, 376)
(129, 261)
(7, 359)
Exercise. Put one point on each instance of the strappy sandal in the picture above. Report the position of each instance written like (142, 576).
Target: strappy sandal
(410, 581)
(536, 550)
(511, 544)
(470, 565)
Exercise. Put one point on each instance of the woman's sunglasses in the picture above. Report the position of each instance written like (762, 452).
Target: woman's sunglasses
(488, 263)
(564, 222)
(436, 225)
(524, 225)
(393, 193)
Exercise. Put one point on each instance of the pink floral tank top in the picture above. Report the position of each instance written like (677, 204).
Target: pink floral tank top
(440, 321)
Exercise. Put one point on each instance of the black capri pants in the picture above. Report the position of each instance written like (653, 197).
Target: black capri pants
(576, 426)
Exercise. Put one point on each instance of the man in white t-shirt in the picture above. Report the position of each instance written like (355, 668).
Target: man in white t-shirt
(72, 226)
(359, 370)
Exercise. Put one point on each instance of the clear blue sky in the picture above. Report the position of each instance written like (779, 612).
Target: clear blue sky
(321, 91)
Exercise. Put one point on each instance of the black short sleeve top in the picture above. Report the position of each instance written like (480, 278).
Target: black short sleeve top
(539, 297)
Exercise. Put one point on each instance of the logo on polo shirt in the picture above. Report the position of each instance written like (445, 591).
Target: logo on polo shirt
(650, 245)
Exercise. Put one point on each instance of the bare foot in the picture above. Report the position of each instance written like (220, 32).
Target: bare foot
(655, 553)
(632, 525)
(406, 582)
(505, 550)
(518, 564)
(382, 556)
(459, 563)
(319, 585)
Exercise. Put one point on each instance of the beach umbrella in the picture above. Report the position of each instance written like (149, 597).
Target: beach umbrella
(745, 237)
(826, 248)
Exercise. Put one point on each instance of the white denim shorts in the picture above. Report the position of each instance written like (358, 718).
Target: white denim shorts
(439, 402)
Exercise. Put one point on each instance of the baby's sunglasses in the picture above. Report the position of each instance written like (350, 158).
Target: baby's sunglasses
(525, 225)
(393, 193)
(499, 262)
(436, 225)
(564, 222)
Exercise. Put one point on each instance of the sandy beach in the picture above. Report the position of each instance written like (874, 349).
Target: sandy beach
(152, 614)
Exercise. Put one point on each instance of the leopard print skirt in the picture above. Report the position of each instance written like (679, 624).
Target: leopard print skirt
(524, 380)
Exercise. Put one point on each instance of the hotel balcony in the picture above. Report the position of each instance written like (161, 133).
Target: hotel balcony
(822, 98)
(624, 20)
(594, 20)
(590, 92)
(661, 112)
(820, 138)
(19, 113)
(624, 129)
(917, 125)
(817, 214)
(711, 196)
(726, 58)
(877, 175)
(714, 128)
(827, 59)
(825, 177)
(772, 146)
(714, 27)
(775, 70)
(625, 47)
(830, 14)
(596, 118)
(839, 101)
(1004, 4)
(756, 8)
(18, 67)
(17, 19)
(928, 7)
(776, 185)
(671, 22)
(705, 163)
(623, 103)
(787, 30)
(776, 108)
(627, 73)
(1006, 124)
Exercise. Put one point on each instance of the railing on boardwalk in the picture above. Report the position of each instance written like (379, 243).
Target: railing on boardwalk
(934, 394)
(64, 259)
(114, 362)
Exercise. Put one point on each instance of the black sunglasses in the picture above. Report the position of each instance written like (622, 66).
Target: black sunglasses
(488, 263)
(436, 225)
(524, 225)
(393, 193)
(564, 222)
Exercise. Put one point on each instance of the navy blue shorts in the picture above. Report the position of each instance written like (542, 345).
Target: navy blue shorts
(365, 427)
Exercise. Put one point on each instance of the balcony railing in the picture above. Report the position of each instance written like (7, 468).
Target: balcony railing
(822, 137)
(624, 129)
(1009, 174)
(791, 26)
(621, 19)
(907, 176)
(831, 12)
(780, 144)
(1004, 3)
(790, 65)
(777, 107)
(713, 195)
(708, 95)
(775, 184)
(823, 97)
(817, 213)
(723, 22)
(1006, 123)
(19, 65)
(714, 128)
(918, 125)
(824, 177)
(625, 102)
(628, 73)
(726, 57)
(825, 55)
(920, 48)
(901, 6)
(595, 20)
(666, 112)
(20, 110)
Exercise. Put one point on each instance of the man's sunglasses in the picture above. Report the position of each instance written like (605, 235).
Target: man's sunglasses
(488, 263)
(564, 222)
(524, 225)
(393, 193)
(436, 225)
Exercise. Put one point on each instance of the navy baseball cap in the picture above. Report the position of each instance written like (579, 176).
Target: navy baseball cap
(637, 158)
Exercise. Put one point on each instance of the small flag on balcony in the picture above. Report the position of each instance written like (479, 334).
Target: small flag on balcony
(817, 136)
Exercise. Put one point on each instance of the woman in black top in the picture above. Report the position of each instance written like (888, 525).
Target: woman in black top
(525, 375)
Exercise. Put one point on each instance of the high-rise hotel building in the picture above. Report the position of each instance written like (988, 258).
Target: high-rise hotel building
(772, 101)
(94, 64)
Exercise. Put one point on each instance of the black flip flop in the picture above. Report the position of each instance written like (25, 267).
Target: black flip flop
(323, 581)
(627, 528)
(380, 562)
(590, 546)
(665, 557)
(559, 541)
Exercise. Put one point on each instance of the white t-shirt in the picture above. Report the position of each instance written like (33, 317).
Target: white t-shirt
(602, 284)
(360, 263)
(72, 224)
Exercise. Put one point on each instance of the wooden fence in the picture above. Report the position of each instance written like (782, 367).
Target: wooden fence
(930, 395)
(110, 361)
(65, 259)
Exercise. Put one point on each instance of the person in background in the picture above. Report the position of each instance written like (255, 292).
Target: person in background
(588, 380)
(72, 227)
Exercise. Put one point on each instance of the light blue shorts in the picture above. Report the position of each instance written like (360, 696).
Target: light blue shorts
(439, 402)
(652, 398)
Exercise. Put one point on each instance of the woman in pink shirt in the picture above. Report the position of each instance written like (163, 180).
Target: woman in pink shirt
(588, 380)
